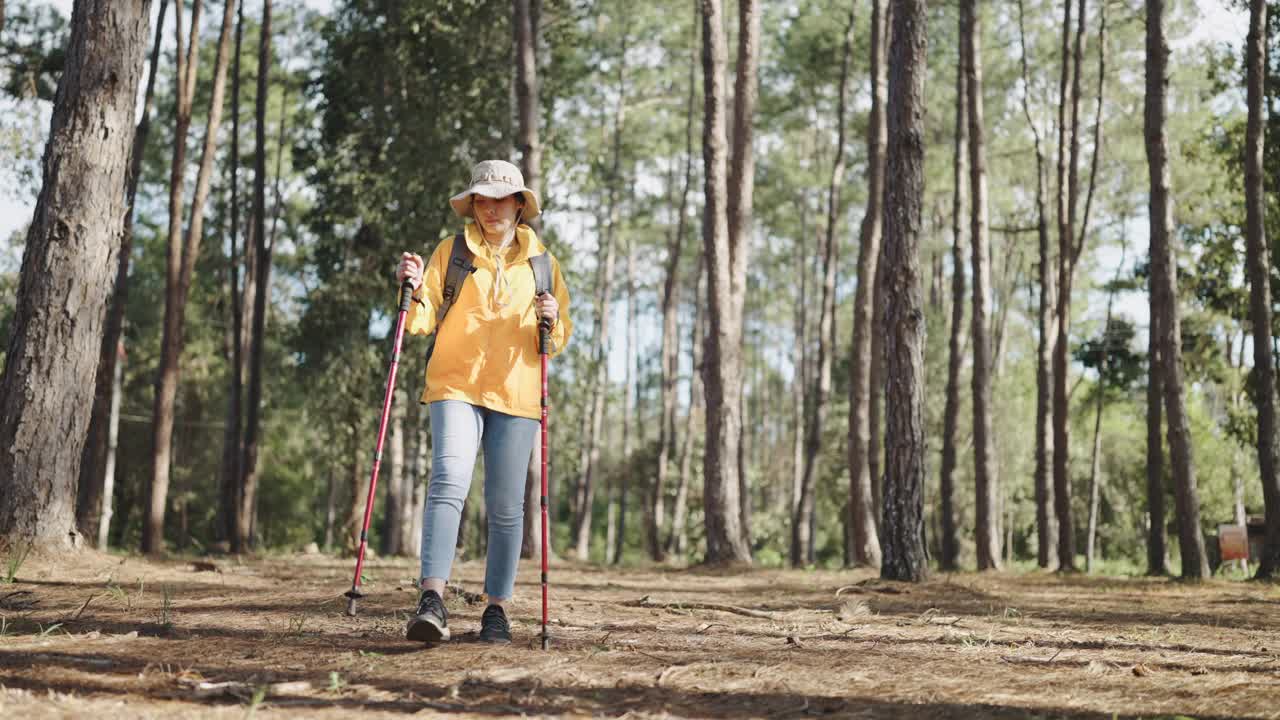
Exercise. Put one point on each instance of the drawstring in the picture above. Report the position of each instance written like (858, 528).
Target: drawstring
(500, 282)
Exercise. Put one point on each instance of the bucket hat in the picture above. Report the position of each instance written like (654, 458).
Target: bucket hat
(496, 179)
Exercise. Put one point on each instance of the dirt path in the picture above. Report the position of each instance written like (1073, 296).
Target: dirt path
(169, 640)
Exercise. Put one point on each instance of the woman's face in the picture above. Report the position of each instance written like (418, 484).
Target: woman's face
(496, 216)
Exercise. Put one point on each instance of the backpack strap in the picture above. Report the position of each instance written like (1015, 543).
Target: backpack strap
(460, 266)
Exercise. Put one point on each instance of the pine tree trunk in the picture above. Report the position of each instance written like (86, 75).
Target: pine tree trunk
(724, 259)
(232, 451)
(46, 390)
(986, 483)
(359, 480)
(525, 17)
(1259, 263)
(113, 435)
(863, 510)
(950, 540)
(1046, 519)
(654, 519)
(262, 282)
(176, 296)
(422, 478)
(678, 535)
(604, 291)
(740, 204)
(800, 379)
(1061, 406)
(802, 538)
(166, 386)
(93, 499)
(905, 552)
(330, 508)
(1095, 491)
(629, 391)
(1157, 552)
(1095, 480)
(392, 541)
(1164, 299)
(875, 406)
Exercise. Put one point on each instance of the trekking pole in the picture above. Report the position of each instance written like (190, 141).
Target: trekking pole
(406, 297)
(544, 339)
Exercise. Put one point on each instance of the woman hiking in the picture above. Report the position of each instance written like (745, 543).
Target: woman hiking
(483, 382)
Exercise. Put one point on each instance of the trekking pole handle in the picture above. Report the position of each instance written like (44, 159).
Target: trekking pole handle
(406, 295)
(544, 335)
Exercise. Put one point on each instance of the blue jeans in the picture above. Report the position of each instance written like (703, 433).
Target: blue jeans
(458, 430)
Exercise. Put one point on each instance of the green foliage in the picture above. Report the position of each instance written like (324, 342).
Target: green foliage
(32, 50)
(1113, 354)
(13, 562)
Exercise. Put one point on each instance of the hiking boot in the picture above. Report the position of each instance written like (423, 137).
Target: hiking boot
(431, 622)
(494, 627)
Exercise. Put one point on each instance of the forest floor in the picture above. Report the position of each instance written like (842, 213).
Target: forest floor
(109, 637)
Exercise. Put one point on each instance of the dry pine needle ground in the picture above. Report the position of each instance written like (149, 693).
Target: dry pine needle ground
(112, 637)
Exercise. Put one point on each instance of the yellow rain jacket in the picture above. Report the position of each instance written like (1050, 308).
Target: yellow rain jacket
(486, 352)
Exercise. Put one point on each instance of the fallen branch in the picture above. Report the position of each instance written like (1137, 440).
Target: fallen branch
(82, 607)
(645, 602)
(16, 601)
(245, 690)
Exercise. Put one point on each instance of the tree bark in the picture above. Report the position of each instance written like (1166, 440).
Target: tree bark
(864, 537)
(802, 529)
(46, 390)
(262, 278)
(1258, 262)
(726, 264)
(986, 484)
(1164, 298)
(166, 384)
(93, 499)
(905, 552)
(950, 540)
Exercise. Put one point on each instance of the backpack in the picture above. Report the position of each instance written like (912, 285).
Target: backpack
(460, 266)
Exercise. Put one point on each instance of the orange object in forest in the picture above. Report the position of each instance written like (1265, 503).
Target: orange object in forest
(1233, 542)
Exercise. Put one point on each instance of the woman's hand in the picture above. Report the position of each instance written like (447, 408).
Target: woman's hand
(410, 269)
(548, 308)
